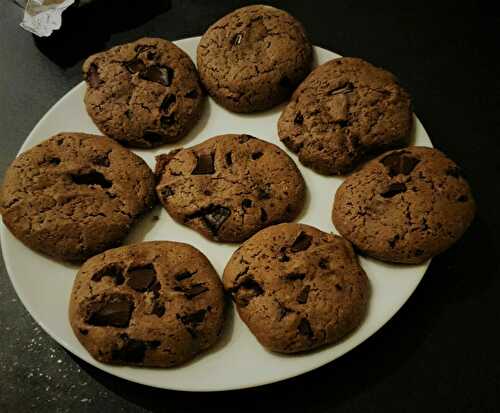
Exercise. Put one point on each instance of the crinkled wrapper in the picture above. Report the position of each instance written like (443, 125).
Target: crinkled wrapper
(42, 17)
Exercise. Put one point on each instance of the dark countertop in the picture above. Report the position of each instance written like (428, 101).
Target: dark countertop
(441, 351)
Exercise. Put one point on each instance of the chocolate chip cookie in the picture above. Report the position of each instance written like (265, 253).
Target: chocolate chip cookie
(143, 94)
(230, 186)
(405, 206)
(151, 304)
(296, 287)
(345, 110)
(253, 58)
(75, 195)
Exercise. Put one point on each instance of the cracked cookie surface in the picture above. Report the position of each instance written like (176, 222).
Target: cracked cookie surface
(143, 94)
(230, 186)
(296, 287)
(75, 195)
(345, 110)
(404, 206)
(152, 304)
(253, 58)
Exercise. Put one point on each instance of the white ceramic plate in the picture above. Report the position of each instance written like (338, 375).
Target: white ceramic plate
(237, 361)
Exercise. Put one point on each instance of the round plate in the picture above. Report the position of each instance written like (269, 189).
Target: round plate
(238, 360)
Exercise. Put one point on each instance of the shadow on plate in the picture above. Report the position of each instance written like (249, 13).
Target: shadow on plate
(86, 30)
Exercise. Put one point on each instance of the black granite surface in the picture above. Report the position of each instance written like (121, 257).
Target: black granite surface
(441, 351)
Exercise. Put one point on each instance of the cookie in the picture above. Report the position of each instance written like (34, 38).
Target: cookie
(344, 111)
(404, 206)
(230, 186)
(75, 195)
(296, 287)
(143, 94)
(152, 304)
(253, 58)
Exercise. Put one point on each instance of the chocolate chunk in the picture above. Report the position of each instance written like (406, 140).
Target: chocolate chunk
(184, 275)
(282, 257)
(263, 193)
(192, 94)
(347, 88)
(343, 123)
(135, 66)
(213, 216)
(394, 189)
(229, 159)
(392, 241)
(408, 164)
(192, 332)
(399, 163)
(423, 224)
(195, 290)
(323, 263)
(216, 217)
(83, 331)
(166, 191)
(101, 160)
(246, 291)
(244, 138)
(153, 344)
(167, 120)
(338, 287)
(158, 309)
(192, 291)
(301, 243)
(305, 328)
(282, 312)
(54, 161)
(113, 310)
(93, 76)
(299, 119)
(141, 278)
(113, 271)
(193, 318)
(303, 295)
(293, 276)
(167, 101)
(162, 162)
(463, 198)
(155, 289)
(263, 215)
(133, 351)
(418, 253)
(256, 155)
(143, 47)
(246, 203)
(204, 165)
(159, 74)
(91, 178)
(236, 39)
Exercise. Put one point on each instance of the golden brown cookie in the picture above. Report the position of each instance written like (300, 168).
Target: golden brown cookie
(152, 304)
(345, 110)
(75, 195)
(296, 287)
(143, 94)
(405, 206)
(230, 186)
(253, 58)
